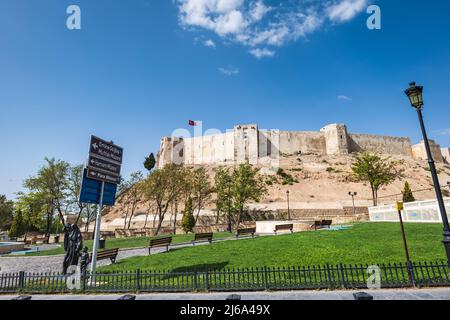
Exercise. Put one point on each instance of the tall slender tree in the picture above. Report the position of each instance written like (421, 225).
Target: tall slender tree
(376, 171)
(51, 183)
(150, 162)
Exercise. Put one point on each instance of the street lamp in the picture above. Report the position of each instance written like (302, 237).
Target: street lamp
(414, 94)
(353, 195)
(289, 212)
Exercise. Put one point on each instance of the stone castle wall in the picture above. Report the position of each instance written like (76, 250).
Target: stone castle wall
(246, 143)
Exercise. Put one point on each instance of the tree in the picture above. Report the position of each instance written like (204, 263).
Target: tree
(376, 171)
(74, 181)
(237, 189)
(51, 184)
(6, 213)
(31, 213)
(222, 183)
(200, 187)
(163, 187)
(18, 226)
(150, 162)
(132, 195)
(407, 193)
(188, 220)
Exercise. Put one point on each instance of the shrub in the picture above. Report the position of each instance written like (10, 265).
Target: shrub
(188, 220)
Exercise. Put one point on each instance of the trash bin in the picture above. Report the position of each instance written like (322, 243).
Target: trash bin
(57, 239)
(101, 243)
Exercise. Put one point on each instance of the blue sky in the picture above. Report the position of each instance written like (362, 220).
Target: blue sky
(139, 69)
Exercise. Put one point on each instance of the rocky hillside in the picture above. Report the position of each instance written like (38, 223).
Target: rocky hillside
(323, 182)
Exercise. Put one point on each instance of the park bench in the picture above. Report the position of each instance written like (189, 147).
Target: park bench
(107, 254)
(207, 236)
(279, 227)
(36, 239)
(107, 234)
(322, 224)
(160, 242)
(245, 231)
(140, 233)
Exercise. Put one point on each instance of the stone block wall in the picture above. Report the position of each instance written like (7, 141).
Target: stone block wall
(419, 152)
(246, 143)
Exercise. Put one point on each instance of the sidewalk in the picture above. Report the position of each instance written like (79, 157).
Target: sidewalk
(384, 294)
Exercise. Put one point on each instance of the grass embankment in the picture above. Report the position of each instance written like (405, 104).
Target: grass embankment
(364, 243)
(128, 243)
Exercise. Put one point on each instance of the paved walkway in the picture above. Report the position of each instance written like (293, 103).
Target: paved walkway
(54, 263)
(392, 294)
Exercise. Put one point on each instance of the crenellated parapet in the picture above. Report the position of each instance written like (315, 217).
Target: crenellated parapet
(247, 143)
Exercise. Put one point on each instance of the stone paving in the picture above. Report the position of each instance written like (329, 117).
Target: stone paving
(384, 294)
(54, 263)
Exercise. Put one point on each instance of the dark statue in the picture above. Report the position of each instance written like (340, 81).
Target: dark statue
(72, 245)
(84, 260)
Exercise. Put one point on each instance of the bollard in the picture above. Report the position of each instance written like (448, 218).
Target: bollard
(233, 297)
(22, 298)
(361, 296)
(127, 297)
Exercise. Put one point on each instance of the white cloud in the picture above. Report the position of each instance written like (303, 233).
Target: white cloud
(229, 71)
(209, 43)
(262, 53)
(261, 27)
(258, 10)
(343, 97)
(345, 10)
(445, 132)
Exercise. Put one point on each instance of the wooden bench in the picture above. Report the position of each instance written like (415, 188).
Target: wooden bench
(245, 231)
(106, 254)
(107, 234)
(279, 227)
(321, 224)
(36, 239)
(140, 233)
(207, 236)
(160, 242)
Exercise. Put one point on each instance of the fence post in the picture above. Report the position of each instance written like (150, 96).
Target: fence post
(266, 280)
(343, 282)
(83, 280)
(330, 282)
(21, 279)
(195, 281)
(138, 280)
(207, 280)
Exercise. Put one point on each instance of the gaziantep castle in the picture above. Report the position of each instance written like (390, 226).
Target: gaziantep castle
(247, 143)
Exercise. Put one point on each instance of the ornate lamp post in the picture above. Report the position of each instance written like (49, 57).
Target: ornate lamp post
(353, 195)
(414, 94)
(289, 212)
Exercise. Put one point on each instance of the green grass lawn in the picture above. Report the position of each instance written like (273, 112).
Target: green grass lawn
(128, 243)
(364, 243)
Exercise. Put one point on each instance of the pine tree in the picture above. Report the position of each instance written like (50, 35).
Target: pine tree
(188, 221)
(150, 162)
(407, 193)
(17, 228)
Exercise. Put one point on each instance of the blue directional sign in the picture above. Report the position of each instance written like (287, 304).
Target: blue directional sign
(90, 191)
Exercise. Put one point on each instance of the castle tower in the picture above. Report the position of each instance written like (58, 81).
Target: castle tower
(419, 151)
(336, 139)
(246, 144)
(171, 150)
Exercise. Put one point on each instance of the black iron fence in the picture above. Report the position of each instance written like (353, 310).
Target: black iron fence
(391, 275)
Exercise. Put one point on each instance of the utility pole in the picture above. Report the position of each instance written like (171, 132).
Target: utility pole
(353, 195)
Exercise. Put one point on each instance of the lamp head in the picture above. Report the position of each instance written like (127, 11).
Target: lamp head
(415, 96)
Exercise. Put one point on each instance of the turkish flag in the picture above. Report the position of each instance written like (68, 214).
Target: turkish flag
(192, 123)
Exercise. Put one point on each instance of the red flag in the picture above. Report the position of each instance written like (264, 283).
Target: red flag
(192, 123)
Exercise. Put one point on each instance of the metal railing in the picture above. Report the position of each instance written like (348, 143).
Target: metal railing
(341, 276)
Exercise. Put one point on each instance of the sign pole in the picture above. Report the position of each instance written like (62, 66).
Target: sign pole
(97, 233)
